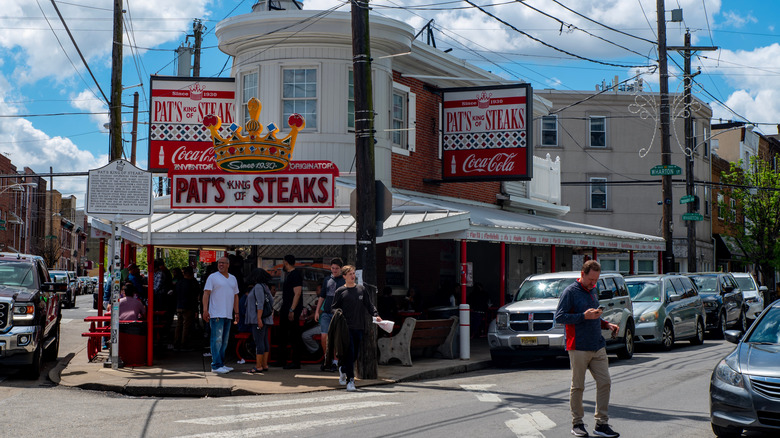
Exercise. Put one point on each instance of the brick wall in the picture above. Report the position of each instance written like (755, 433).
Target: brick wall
(424, 163)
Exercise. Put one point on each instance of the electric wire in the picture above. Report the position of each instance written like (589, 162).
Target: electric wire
(604, 25)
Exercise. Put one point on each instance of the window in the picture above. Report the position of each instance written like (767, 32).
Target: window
(607, 265)
(598, 131)
(625, 266)
(706, 145)
(299, 94)
(706, 201)
(645, 267)
(351, 101)
(402, 118)
(721, 201)
(598, 193)
(549, 130)
(733, 203)
(248, 91)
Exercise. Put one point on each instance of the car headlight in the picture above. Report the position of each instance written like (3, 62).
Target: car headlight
(710, 304)
(649, 316)
(502, 320)
(726, 373)
(751, 300)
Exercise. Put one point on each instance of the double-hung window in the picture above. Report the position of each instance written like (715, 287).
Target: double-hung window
(299, 94)
(598, 131)
(351, 101)
(598, 193)
(721, 201)
(402, 118)
(549, 130)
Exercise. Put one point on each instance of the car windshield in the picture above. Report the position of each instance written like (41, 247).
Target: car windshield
(705, 283)
(540, 289)
(644, 291)
(746, 283)
(17, 274)
(767, 329)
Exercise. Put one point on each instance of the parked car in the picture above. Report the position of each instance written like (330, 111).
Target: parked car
(667, 308)
(29, 313)
(754, 294)
(527, 326)
(69, 300)
(86, 285)
(723, 301)
(745, 385)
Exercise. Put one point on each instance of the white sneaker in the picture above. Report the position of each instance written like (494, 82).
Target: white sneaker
(220, 370)
(342, 378)
(227, 368)
(241, 361)
(351, 385)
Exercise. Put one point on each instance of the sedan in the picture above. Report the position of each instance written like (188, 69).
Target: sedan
(745, 385)
(754, 294)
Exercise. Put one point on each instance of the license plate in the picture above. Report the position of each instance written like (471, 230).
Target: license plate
(528, 341)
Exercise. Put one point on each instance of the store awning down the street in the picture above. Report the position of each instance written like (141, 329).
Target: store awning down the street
(413, 217)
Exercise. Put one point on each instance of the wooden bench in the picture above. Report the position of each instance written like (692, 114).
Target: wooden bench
(419, 334)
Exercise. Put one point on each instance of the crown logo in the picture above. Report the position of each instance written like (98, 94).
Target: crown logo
(196, 91)
(253, 152)
(483, 100)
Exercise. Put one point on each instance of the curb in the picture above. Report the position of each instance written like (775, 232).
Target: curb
(55, 374)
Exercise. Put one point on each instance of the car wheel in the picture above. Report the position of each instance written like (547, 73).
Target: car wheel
(34, 370)
(627, 350)
(667, 337)
(699, 338)
(742, 324)
(721, 329)
(724, 432)
(54, 349)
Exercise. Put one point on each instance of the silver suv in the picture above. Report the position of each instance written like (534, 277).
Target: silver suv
(527, 327)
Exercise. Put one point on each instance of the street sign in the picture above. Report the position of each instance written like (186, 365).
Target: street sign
(692, 217)
(665, 169)
(2, 228)
(688, 199)
(2, 222)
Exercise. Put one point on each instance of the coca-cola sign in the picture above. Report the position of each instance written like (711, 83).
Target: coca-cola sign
(178, 141)
(487, 133)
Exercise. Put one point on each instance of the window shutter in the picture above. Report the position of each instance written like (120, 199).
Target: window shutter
(412, 132)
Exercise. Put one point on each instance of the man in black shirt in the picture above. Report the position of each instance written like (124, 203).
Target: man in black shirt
(290, 313)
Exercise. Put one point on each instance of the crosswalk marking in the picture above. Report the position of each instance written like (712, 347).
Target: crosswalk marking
(314, 410)
(482, 393)
(301, 401)
(65, 320)
(529, 425)
(282, 428)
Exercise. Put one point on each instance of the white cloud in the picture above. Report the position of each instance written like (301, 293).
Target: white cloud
(87, 102)
(733, 19)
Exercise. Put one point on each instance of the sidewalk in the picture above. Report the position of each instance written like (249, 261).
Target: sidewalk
(188, 374)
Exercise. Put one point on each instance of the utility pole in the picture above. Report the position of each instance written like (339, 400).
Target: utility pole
(364, 164)
(116, 148)
(690, 144)
(666, 149)
(134, 133)
(197, 29)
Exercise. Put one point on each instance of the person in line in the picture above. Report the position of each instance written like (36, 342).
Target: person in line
(290, 314)
(130, 307)
(257, 300)
(134, 276)
(163, 298)
(220, 296)
(324, 313)
(187, 293)
(579, 310)
(354, 302)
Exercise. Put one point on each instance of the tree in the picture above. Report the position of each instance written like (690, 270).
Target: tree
(51, 251)
(173, 257)
(755, 223)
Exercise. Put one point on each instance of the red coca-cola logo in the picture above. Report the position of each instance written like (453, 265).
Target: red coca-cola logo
(498, 163)
(184, 154)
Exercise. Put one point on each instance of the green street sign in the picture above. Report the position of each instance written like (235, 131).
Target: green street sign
(687, 199)
(2, 222)
(692, 217)
(663, 170)
(2, 228)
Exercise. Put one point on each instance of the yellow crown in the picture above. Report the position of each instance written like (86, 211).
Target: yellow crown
(254, 152)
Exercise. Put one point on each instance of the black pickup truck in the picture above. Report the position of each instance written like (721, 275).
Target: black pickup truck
(29, 313)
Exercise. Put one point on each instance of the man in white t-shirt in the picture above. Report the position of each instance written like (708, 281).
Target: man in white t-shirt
(220, 307)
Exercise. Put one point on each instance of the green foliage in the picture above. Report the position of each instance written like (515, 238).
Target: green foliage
(755, 223)
(174, 258)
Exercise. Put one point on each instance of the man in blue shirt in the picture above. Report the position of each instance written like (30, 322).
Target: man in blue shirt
(323, 314)
(579, 310)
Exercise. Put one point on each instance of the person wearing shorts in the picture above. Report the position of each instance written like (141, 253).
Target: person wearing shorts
(323, 313)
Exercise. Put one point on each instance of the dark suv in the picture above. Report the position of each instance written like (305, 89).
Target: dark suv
(29, 313)
(723, 301)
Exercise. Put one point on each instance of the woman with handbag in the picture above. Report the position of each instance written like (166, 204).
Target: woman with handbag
(260, 316)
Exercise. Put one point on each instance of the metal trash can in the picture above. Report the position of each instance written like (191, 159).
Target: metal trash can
(132, 343)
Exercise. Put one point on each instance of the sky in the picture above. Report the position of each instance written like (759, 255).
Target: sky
(52, 112)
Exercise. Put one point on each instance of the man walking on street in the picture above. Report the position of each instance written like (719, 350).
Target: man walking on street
(579, 310)
(220, 297)
(290, 313)
(323, 313)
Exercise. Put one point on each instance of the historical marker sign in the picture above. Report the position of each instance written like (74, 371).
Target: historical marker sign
(119, 188)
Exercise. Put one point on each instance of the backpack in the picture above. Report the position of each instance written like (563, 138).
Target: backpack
(268, 307)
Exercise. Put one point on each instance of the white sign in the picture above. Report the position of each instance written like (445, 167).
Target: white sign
(119, 188)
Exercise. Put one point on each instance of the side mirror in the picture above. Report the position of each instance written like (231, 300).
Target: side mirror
(675, 297)
(733, 336)
(762, 289)
(727, 288)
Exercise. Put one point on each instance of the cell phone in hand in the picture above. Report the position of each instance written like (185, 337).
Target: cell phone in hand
(601, 308)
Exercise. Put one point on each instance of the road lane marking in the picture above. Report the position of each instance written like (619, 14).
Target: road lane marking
(482, 393)
(303, 401)
(529, 425)
(282, 428)
(65, 320)
(314, 410)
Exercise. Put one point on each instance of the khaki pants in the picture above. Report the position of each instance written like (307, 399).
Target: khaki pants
(598, 364)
